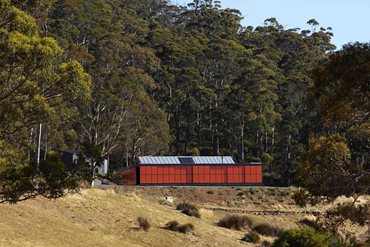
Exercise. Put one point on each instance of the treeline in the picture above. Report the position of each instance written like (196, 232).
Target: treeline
(120, 79)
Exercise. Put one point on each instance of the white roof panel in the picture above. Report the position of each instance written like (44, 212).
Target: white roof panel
(229, 160)
(174, 160)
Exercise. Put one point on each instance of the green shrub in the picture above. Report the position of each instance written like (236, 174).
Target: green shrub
(176, 227)
(188, 209)
(144, 224)
(302, 198)
(210, 192)
(236, 222)
(267, 230)
(306, 237)
(251, 237)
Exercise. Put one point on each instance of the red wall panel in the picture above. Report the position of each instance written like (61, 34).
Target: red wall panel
(154, 170)
(203, 174)
(128, 177)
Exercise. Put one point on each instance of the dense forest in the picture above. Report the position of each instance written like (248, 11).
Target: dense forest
(120, 79)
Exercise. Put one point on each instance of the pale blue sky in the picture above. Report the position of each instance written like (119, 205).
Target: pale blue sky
(350, 19)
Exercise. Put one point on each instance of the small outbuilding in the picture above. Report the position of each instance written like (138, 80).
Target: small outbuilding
(70, 157)
(192, 171)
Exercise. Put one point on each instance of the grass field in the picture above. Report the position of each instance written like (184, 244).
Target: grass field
(107, 217)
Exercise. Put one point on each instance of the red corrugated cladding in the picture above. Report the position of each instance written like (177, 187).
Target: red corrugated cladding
(129, 177)
(194, 175)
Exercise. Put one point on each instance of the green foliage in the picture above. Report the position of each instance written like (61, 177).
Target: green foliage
(190, 80)
(327, 169)
(302, 197)
(21, 180)
(37, 87)
(306, 237)
(182, 80)
(340, 95)
(108, 39)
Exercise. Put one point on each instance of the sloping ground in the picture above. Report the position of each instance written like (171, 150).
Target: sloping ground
(107, 217)
(102, 218)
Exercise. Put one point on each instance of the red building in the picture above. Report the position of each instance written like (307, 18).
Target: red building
(192, 171)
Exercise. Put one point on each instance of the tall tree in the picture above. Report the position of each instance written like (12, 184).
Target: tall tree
(35, 85)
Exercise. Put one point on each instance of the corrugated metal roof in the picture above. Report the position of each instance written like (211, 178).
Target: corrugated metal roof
(174, 160)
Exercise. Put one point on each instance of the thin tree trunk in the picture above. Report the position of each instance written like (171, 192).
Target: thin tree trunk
(39, 145)
(266, 141)
(272, 141)
(46, 145)
(242, 141)
(127, 158)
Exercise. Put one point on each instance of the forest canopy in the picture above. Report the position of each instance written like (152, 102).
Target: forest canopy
(120, 79)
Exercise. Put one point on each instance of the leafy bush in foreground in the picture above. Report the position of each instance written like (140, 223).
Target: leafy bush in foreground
(306, 237)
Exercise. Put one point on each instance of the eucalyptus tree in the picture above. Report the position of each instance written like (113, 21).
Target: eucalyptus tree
(36, 84)
(108, 39)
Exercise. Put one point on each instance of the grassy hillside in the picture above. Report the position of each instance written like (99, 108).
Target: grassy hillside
(97, 217)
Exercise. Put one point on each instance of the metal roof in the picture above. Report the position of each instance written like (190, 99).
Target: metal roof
(178, 160)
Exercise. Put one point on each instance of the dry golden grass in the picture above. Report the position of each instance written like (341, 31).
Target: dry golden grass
(102, 218)
(108, 218)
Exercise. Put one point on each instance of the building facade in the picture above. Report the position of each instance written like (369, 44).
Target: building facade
(192, 171)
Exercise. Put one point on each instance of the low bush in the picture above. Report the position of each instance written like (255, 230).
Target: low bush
(144, 224)
(306, 237)
(236, 222)
(267, 230)
(176, 227)
(188, 209)
(251, 237)
(172, 225)
(186, 228)
(303, 198)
